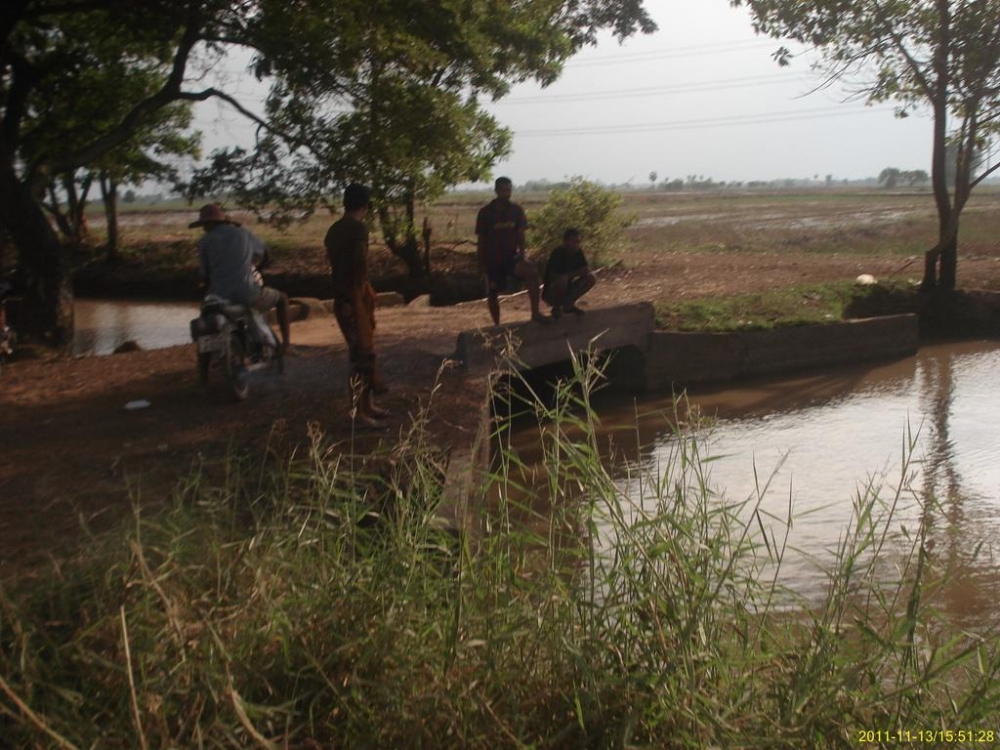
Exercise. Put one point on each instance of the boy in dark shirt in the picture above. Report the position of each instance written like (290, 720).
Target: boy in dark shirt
(567, 277)
(500, 246)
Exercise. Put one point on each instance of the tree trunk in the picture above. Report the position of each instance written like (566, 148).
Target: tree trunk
(62, 220)
(929, 283)
(942, 199)
(46, 313)
(427, 231)
(939, 171)
(74, 210)
(949, 264)
(82, 228)
(408, 250)
(109, 194)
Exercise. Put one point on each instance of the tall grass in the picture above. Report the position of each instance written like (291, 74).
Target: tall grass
(317, 603)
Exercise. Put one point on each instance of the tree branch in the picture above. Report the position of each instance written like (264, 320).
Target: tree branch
(168, 93)
(209, 93)
(986, 173)
(23, 78)
(911, 62)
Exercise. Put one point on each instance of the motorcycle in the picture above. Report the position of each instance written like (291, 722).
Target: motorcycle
(235, 339)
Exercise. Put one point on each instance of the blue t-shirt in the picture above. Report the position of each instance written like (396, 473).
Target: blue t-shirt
(227, 257)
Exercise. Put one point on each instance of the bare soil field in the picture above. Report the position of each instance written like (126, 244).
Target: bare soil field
(74, 459)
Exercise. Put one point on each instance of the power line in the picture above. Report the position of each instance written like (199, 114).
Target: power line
(679, 88)
(758, 119)
(692, 51)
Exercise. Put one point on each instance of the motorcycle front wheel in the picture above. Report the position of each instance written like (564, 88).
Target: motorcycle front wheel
(204, 364)
(237, 375)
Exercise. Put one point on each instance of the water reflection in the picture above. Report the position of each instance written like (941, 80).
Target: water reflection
(103, 325)
(923, 425)
(962, 474)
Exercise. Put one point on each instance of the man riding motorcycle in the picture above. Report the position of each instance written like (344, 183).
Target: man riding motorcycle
(228, 257)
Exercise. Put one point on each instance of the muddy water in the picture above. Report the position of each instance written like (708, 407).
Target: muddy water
(103, 325)
(929, 425)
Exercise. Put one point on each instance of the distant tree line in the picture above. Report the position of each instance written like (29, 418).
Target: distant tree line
(891, 177)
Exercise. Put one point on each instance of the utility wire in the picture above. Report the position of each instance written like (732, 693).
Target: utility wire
(674, 52)
(758, 119)
(652, 90)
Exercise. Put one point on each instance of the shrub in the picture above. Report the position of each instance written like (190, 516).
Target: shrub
(589, 207)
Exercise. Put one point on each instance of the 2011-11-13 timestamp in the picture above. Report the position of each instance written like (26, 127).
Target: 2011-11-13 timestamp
(983, 737)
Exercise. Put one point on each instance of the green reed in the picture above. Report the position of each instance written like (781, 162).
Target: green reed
(316, 601)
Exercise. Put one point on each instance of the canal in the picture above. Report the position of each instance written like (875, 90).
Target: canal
(920, 433)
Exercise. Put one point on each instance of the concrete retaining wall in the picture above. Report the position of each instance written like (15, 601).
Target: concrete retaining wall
(467, 466)
(537, 345)
(688, 358)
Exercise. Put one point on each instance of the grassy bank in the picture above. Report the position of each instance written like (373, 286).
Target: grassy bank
(315, 603)
(808, 304)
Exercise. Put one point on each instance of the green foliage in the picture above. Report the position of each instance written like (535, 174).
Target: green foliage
(59, 62)
(402, 114)
(320, 604)
(95, 71)
(594, 210)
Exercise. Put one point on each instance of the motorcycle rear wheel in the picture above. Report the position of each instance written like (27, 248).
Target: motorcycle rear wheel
(204, 364)
(237, 375)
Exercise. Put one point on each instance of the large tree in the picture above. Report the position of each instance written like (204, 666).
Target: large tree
(152, 153)
(312, 49)
(56, 61)
(408, 139)
(940, 54)
(407, 118)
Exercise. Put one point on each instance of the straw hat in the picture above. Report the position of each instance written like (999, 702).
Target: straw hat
(211, 214)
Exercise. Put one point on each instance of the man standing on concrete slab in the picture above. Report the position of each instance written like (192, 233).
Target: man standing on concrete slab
(567, 277)
(354, 300)
(500, 228)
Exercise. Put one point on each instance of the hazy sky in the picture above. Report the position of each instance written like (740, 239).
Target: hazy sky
(700, 96)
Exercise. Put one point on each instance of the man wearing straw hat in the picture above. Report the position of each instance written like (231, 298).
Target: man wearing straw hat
(229, 256)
